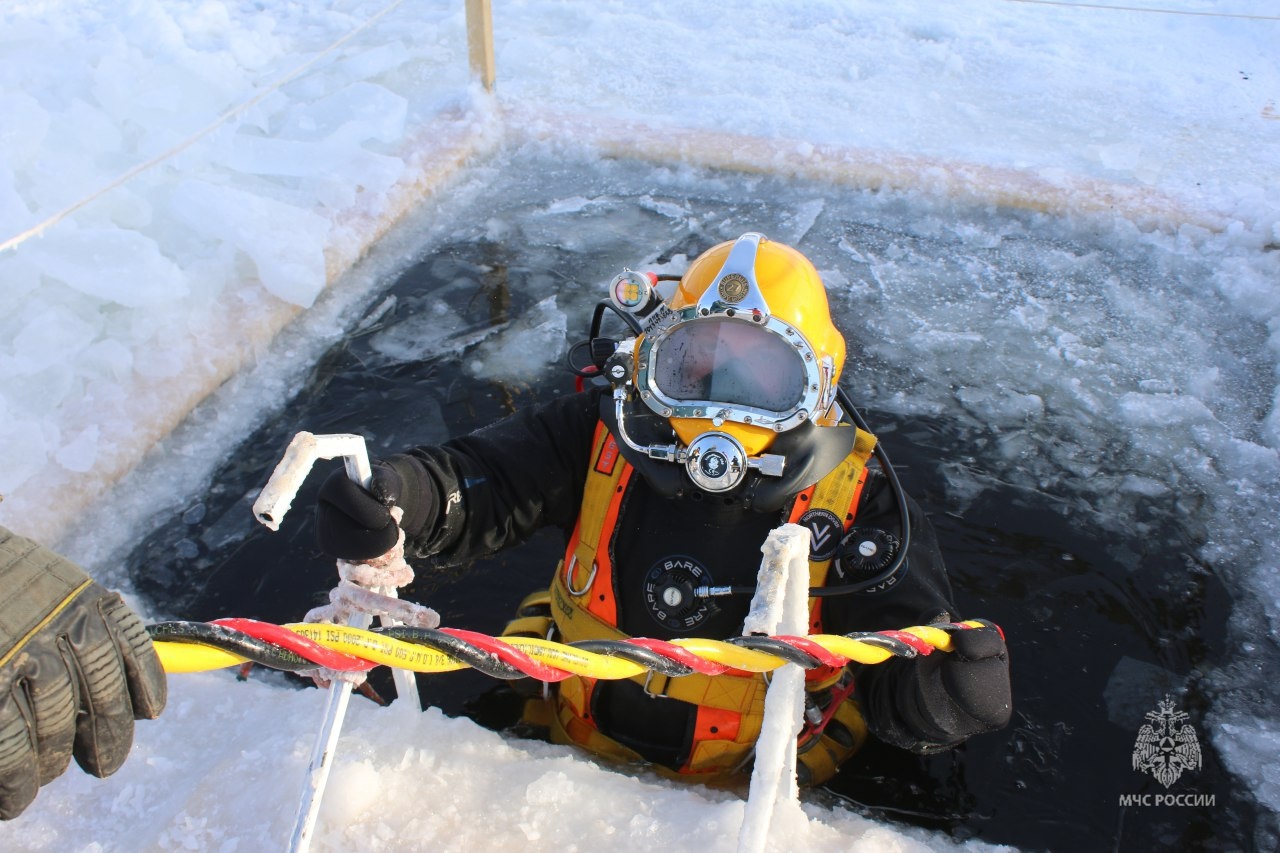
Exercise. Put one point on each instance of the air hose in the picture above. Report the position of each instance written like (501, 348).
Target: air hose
(300, 647)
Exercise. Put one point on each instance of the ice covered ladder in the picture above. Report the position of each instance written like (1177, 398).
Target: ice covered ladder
(270, 509)
(780, 606)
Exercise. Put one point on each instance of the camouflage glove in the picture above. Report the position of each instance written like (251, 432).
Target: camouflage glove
(76, 669)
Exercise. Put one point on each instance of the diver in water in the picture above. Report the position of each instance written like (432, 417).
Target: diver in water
(76, 669)
(721, 419)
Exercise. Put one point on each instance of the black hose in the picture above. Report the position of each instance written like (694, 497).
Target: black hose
(459, 649)
(233, 641)
(647, 658)
(777, 648)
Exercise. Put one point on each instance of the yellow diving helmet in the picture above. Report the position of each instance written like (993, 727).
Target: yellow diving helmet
(741, 354)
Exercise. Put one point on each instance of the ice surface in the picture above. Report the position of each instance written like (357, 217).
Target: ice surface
(529, 344)
(286, 245)
(428, 782)
(1251, 746)
(207, 225)
(113, 265)
(431, 329)
(80, 452)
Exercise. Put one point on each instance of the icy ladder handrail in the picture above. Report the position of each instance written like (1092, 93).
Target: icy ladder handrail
(302, 453)
(270, 508)
(780, 606)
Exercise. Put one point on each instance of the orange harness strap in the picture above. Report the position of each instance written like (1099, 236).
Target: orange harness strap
(583, 604)
(588, 569)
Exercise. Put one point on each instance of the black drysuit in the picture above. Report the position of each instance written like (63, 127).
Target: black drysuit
(494, 488)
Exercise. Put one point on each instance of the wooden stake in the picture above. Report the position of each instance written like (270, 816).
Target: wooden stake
(480, 41)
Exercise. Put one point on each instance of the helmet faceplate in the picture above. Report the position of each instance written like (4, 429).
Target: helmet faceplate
(733, 351)
(743, 351)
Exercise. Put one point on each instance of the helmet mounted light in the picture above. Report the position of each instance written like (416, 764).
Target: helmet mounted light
(635, 292)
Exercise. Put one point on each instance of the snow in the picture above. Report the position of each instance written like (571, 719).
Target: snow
(185, 186)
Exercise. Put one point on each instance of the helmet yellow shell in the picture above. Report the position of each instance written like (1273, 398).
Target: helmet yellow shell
(790, 292)
(789, 283)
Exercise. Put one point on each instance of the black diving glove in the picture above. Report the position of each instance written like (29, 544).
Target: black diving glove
(76, 669)
(947, 697)
(356, 524)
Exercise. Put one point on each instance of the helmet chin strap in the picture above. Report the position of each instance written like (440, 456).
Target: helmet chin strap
(715, 461)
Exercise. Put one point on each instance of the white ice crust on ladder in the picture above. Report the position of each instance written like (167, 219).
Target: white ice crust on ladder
(780, 606)
(352, 604)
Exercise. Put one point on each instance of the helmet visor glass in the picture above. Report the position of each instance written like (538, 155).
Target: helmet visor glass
(730, 362)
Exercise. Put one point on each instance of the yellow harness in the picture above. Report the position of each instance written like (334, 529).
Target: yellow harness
(730, 706)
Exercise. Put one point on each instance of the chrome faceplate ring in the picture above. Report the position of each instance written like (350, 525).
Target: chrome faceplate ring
(818, 388)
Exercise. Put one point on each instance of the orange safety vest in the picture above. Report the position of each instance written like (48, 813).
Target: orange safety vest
(730, 706)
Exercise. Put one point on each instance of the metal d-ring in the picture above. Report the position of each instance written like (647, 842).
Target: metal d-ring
(648, 681)
(568, 577)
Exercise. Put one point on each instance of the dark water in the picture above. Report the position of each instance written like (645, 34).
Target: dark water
(1101, 624)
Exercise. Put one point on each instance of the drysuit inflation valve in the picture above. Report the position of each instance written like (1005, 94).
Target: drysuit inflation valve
(865, 552)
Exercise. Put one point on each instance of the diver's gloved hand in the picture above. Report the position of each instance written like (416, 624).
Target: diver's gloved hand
(954, 695)
(355, 524)
(76, 669)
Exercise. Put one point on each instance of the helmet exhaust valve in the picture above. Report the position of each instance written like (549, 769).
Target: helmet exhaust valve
(716, 462)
